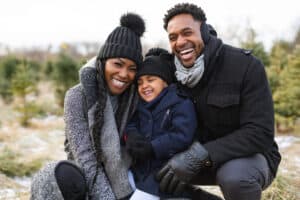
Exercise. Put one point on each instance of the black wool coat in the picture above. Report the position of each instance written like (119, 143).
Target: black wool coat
(234, 105)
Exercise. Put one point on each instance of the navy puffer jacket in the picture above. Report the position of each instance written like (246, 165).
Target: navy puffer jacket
(169, 121)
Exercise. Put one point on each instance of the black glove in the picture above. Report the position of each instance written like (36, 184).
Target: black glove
(182, 168)
(139, 146)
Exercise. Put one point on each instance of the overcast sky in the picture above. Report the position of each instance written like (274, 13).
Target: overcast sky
(25, 23)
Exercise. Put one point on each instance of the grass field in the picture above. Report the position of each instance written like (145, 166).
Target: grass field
(24, 150)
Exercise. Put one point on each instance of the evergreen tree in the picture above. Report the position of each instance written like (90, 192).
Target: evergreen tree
(8, 67)
(273, 73)
(65, 75)
(23, 84)
(287, 96)
(279, 53)
(257, 48)
(278, 61)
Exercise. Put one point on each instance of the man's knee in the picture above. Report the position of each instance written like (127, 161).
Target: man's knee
(238, 187)
(244, 178)
(71, 181)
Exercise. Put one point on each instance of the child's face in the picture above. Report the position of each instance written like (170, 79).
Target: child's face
(150, 87)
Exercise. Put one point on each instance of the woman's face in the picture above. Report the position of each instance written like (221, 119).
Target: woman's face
(119, 74)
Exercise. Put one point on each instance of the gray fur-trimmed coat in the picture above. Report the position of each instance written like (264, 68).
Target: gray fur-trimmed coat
(85, 107)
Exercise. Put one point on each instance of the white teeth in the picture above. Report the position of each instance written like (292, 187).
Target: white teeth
(118, 83)
(147, 92)
(186, 51)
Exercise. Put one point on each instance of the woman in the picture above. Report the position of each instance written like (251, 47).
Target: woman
(96, 111)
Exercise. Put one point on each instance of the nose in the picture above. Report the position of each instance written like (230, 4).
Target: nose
(143, 85)
(181, 41)
(123, 73)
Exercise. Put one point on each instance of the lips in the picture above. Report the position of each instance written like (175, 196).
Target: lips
(118, 83)
(147, 93)
(186, 54)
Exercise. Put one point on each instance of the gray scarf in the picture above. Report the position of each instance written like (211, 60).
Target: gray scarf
(115, 159)
(189, 76)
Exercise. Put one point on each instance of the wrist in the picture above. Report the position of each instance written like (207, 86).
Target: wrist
(208, 163)
(202, 155)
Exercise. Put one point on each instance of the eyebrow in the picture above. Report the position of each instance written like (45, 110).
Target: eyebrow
(185, 29)
(182, 30)
(121, 60)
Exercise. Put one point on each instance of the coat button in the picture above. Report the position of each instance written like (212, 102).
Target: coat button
(207, 163)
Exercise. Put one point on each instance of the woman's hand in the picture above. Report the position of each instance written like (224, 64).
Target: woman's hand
(138, 146)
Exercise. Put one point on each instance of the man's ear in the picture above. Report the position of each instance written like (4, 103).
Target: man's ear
(211, 30)
(206, 31)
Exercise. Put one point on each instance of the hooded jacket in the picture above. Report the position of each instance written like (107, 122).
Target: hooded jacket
(234, 104)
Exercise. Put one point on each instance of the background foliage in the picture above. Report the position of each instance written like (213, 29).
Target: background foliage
(21, 72)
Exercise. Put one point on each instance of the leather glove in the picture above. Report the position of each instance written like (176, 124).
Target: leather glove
(139, 146)
(182, 168)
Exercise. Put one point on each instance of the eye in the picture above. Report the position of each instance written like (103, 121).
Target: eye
(151, 80)
(132, 69)
(172, 38)
(187, 33)
(139, 82)
(118, 64)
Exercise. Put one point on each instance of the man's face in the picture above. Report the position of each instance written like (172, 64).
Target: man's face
(185, 38)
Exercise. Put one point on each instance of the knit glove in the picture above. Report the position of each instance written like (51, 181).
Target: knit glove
(138, 146)
(182, 168)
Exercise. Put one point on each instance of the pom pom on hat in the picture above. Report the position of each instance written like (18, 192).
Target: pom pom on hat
(133, 22)
(124, 41)
(156, 52)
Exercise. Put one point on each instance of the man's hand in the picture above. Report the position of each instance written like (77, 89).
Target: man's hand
(182, 168)
(139, 146)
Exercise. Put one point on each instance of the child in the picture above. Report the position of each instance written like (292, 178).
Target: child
(164, 123)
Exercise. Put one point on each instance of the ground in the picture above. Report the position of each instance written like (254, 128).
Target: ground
(45, 136)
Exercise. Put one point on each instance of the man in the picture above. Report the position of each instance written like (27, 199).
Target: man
(235, 147)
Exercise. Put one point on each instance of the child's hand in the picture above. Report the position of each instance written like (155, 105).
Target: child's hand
(139, 146)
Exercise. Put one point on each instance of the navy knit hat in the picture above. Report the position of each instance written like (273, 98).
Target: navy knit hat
(158, 62)
(124, 41)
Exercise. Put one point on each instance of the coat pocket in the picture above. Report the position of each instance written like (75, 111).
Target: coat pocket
(223, 101)
(223, 108)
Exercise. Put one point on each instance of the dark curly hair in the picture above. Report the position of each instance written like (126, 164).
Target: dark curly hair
(184, 8)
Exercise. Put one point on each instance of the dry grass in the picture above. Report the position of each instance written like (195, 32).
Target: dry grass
(12, 165)
(24, 150)
(42, 125)
(281, 189)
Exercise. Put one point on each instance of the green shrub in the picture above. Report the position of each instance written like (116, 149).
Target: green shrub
(8, 67)
(65, 75)
(23, 84)
(11, 166)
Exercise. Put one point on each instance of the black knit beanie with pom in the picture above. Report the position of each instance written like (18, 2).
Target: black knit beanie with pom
(124, 40)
